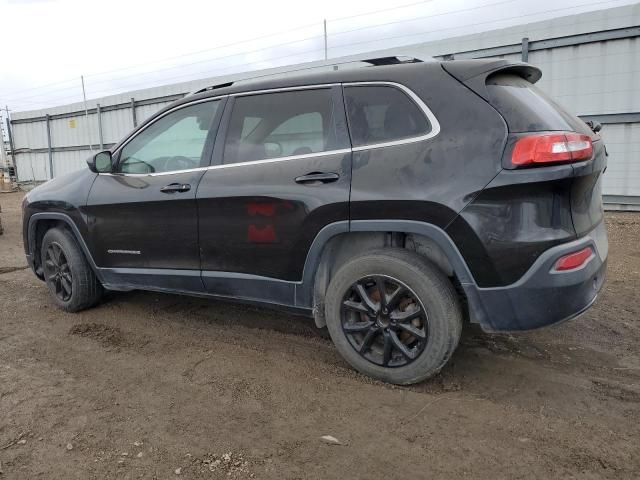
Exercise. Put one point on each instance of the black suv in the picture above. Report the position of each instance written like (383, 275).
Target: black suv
(389, 202)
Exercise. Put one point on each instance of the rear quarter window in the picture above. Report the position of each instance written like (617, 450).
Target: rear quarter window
(380, 114)
(526, 108)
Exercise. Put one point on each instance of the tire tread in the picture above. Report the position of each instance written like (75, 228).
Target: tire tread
(443, 299)
(87, 289)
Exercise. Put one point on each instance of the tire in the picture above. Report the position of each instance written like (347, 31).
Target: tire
(59, 245)
(430, 298)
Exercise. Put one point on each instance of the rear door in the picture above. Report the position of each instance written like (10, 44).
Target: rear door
(283, 173)
(143, 216)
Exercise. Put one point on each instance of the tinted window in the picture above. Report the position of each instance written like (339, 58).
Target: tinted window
(379, 114)
(174, 142)
(282, 124)
(526, 108)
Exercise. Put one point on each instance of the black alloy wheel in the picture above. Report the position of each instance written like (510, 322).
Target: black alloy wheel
(384, 321)
(58, 272)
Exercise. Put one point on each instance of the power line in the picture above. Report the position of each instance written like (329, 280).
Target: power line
(254, 39)
(343, 45)
(217, 71)
(247, 41)
(182, 65)
(463, 10)
(339, 19)
(473, 24)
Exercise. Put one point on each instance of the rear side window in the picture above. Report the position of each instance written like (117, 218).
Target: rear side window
(526, 108)
(380, 114)
(282, 124)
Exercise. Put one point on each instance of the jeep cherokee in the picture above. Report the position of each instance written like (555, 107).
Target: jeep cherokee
(390, 203)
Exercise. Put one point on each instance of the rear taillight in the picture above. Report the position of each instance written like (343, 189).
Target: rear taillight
(573, 260)
(551, 148)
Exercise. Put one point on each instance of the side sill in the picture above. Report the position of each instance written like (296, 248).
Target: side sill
(301, 311)
(146, 278)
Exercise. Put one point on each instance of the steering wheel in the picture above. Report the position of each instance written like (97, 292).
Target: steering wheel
(130, 164)
(178, 163)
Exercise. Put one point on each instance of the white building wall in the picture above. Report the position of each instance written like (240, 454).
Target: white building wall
(623, 172)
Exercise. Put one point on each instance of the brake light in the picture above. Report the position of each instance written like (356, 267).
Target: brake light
(573, 260)
(550, 148)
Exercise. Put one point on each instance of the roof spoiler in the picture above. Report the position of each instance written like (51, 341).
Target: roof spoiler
(474, 73)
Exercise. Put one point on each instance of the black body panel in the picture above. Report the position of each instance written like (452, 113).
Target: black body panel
(522, 213)
(128, 214)
(65, 194)
(432, 180)
(256, 219)
(542, 296)
(586, 191)
(64, 197)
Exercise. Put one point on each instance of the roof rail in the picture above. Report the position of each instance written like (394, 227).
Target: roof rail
(376, 62)
(213, 87)
(391, 60)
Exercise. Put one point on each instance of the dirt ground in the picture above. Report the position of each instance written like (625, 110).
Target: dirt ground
(160, 386)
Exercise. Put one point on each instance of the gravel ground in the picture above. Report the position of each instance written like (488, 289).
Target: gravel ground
(160, 386)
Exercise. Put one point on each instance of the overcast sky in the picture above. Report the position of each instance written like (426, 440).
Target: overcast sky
(121, 45)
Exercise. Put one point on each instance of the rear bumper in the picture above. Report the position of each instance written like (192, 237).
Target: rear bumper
(543, 297)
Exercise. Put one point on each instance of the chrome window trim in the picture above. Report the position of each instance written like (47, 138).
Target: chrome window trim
(435, 125)
(177, 107)
(234, 165)
(435, 128)
(282, 159)
(284, 89)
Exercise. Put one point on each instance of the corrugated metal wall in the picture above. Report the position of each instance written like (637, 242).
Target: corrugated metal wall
(589, 63)
(596, 79)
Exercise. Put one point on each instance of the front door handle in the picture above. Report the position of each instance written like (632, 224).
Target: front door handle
(317, 177)
(176, 187)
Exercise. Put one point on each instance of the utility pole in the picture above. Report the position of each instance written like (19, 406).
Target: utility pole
(5, 156)
(4, 159)
(8, 170)
(325, 39)
(86, 112)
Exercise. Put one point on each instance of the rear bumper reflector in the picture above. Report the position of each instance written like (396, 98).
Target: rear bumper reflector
(573, 260)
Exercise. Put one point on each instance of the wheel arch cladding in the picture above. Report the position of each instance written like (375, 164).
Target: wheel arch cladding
(40, 223)
(429, 241)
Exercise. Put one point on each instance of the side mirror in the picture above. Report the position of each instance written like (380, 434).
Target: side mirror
(101, 162)
(594, 126)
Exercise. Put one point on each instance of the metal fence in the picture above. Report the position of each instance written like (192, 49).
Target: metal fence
(593, 73)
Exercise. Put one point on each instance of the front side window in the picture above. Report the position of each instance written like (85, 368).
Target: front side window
(379, 114)
(174, 142)
(281, 124)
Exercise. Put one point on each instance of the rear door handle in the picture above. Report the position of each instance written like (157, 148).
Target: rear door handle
(176, 187)
(317, 177)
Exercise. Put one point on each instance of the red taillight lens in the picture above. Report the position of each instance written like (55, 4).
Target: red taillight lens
(551, 148)
(573, 260)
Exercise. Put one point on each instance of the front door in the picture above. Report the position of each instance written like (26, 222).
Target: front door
(283, 173)
(143, 216)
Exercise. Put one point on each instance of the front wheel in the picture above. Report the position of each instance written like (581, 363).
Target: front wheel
(71, 281)
(393, 316)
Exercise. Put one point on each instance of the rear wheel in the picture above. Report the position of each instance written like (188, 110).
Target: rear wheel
(71, 281)
(393, 315)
